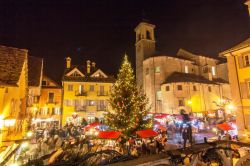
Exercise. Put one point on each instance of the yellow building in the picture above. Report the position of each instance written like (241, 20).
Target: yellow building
(13, 92)
(238, 59)
(86, 91)
(48, 110)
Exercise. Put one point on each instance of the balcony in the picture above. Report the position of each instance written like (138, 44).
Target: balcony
(81, 108)
(102, 93)
(81, 93)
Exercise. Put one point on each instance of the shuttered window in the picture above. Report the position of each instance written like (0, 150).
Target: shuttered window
(244, 90)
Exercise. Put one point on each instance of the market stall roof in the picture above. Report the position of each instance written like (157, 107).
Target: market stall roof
(160, 116)
(91, 125)
(109, 134)
(225, 126)
(146, 133)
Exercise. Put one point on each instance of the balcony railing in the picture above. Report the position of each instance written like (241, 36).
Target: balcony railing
(81, 108)
(81, 93)
(102, 93)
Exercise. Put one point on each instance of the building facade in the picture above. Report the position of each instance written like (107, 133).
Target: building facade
(48, 110)
(13, 92)
(195, 83)
(86, 91)
(35, 72)
(238, 58)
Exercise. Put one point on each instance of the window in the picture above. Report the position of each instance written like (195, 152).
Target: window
(213, 71)
(158, 95)
(91, 88)
(186, 69)
(75, 74)
(181, 102)
(44, 111)
(167, 88)
(148, 35)
(194, 88)
(56, 111)
(51, 97)
(247, 60)
(157, 69)
(179, 87)
(44, 83)
(81, 88)
(209, 89)
(91, 102)
(70, 87)
(147, 71)
(6, 90)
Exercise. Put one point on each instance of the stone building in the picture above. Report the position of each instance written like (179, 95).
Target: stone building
(86, 91)
(193, 82)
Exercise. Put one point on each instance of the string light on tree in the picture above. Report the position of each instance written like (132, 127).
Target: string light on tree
(129, 103)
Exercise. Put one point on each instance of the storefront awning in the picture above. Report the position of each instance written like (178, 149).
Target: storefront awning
(109, 134)
(225, 127)
(147, 133)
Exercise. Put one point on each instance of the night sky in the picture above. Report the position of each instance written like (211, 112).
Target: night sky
(103, 30)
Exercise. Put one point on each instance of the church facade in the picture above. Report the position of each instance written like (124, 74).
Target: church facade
(195, 83)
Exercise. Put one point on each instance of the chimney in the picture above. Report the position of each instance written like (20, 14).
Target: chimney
(93, 64)
(88, 66)
(68, 62)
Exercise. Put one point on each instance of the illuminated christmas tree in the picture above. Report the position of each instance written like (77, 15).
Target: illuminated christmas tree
(129, 104)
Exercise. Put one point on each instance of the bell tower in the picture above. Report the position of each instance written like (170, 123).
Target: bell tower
(144, 47)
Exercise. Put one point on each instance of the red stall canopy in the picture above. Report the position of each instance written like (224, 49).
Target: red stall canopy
(109, 134)
(225, 127)
(146, 133)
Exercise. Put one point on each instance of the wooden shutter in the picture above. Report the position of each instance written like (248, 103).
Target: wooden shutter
(240, 62)
(244, 90)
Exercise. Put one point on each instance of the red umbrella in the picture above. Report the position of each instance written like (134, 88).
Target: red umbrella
(225, 127)
(147, 133)
(109, 134)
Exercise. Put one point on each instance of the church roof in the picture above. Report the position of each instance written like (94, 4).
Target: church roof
(35, 66)
(241, 45)
(187, 77)
(11, 64)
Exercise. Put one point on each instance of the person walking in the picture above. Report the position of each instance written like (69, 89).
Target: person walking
(184, 137)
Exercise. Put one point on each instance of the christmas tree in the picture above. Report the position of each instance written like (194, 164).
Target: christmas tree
(128, 103)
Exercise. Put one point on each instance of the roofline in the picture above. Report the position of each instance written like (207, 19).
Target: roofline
(233, 50)
(167, 57)
(189, 82)
(145, 23)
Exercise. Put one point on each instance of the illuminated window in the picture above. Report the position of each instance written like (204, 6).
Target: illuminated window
(56, 111)
(180, 102)
(209, 89)
(167, 88)
(179, 87)
(81, 88)
(91, 102)
(44, 111)
(91, 88)
(247, 60)
(158, 95)
(213, 71)
(70, 87)
(186, 69)
(157, 69)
